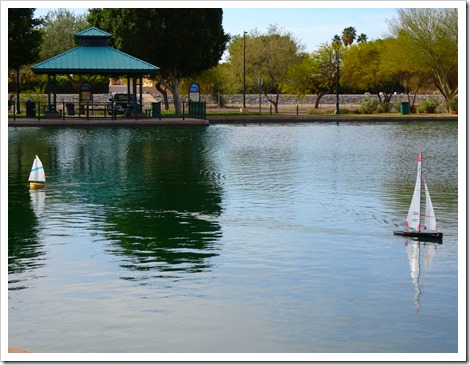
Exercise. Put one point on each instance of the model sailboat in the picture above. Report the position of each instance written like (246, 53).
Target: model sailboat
(427, 230)
(37, 177)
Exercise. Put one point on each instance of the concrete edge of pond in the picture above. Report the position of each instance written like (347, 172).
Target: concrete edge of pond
(246, 119)
(221, 119)
(95, 122)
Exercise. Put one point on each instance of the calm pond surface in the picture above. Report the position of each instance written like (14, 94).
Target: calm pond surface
(231, 238)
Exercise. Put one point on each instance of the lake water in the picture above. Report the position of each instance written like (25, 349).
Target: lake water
(231, 239)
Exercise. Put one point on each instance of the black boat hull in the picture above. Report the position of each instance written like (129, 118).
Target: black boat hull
(433, 236)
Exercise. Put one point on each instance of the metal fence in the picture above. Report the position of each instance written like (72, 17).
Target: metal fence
(105, 110)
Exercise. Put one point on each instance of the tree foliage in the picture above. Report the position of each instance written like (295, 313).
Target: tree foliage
(364, 69)
(24, 37)
(348, 36)
(269, 56)
(59, 29)
(411, 77)
(362, 38)
(430, 37)
(24, 40)
(182, 42)
(315, 74)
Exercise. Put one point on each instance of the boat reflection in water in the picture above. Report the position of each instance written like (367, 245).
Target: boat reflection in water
(38, 198)
(414, 257)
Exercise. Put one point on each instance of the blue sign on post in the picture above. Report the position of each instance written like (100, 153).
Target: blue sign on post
(194, 92)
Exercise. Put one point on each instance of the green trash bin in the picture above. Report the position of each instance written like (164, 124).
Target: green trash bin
(30, 109)
(156, 110)
(405, 107)
(70, 108)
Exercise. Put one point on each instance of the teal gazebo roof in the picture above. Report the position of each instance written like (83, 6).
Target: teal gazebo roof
(94, 56)
(93, 32)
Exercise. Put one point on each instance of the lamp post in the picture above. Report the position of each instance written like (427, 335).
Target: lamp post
(337, 81)
(244, 71)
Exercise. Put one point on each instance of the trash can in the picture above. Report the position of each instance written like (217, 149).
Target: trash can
(30, 109)
(70, 108)
(156, 110)
(405, 107)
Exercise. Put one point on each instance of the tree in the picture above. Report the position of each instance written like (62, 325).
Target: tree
(430, 37)
(59, 29)
(362, 38)
(316, 74)
(348, 36)
(336, 42)
(410, 75)
(364, 69)
(24, 40)
(211, 81)
(182, 42)
(270, 56)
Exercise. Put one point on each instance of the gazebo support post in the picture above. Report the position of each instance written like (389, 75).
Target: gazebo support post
(51, 104)
(141, 109)
(134, 93)
(55, 93)
(48, 90)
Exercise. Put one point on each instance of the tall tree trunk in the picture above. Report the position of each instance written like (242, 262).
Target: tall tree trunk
(159, 87)
(176, 96)
(75, 86)
(317, 100)
(274, 102)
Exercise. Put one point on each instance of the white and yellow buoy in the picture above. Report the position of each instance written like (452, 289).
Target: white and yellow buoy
(37, 177)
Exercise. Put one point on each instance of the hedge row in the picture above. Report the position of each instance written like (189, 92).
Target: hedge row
(99, 84)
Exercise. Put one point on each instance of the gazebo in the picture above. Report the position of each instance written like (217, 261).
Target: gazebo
(93, 56)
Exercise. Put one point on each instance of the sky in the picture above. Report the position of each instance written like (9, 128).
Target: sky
(311, 22)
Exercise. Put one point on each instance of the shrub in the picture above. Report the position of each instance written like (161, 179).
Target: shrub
(384, 107)
(429, 105)
(452, 105)
(396, 105)
(36, 95)
(368, 106)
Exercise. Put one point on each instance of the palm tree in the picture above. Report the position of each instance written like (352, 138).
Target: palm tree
(349, 35)
(336, 42)
(362, 38)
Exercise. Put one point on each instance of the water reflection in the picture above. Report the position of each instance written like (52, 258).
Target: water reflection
(38, 198)
(156, 190)
(229, 238)
(165, 241)
(163, 218)
(416, 262)
(25, 248)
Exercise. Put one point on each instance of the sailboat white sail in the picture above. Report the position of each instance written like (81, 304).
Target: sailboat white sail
(429, 216)
(413, 219)
(37, 177)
